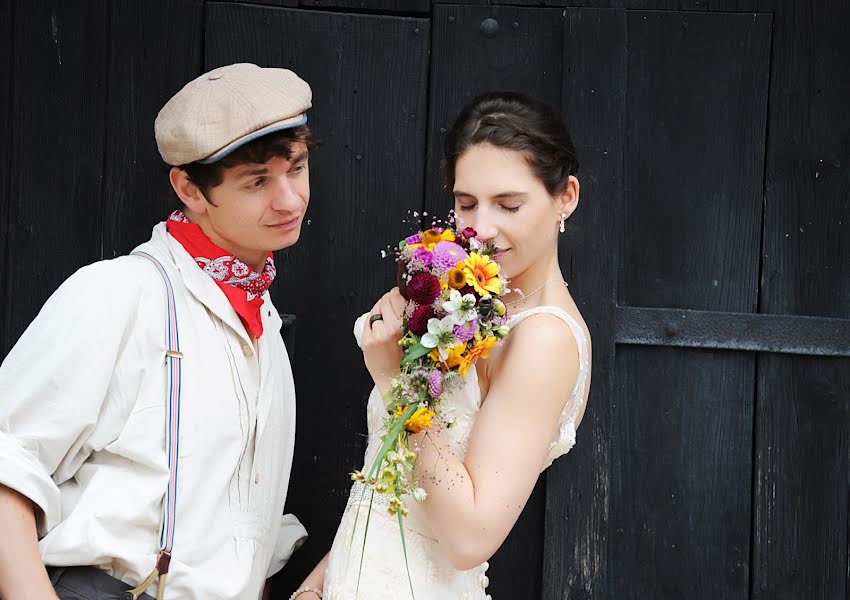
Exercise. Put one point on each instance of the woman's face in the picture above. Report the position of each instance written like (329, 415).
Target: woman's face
(498, 195)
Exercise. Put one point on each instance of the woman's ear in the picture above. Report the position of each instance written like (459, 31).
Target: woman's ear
(188, 192)
(568, 199)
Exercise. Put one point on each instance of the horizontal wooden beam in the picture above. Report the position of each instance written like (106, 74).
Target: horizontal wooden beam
(787, 334)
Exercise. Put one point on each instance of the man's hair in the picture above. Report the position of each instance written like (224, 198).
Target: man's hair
(260, 150)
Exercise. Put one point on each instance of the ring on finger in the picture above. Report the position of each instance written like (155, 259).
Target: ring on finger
(375, 317)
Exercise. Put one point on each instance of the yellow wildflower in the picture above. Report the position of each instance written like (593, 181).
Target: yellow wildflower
(454, 358)
(419, 420)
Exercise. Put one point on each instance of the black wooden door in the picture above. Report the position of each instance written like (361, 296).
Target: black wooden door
(710, 252)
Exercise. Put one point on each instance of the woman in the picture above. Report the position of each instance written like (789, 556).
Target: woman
(511, 165)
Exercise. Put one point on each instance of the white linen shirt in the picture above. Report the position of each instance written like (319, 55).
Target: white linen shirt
(82, 428)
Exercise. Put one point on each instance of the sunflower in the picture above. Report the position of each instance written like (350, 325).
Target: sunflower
(482, 274)
(481, 349)
(457, 278)
(419, 420)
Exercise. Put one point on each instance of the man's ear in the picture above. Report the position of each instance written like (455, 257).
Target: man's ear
(188, 192)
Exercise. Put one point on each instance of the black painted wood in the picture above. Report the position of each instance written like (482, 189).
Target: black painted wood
(154, 49)
(692, 210)
(524, 55)
(383, 6)
(369, 77)
(681, 474)
(593, 105)
(57, 148)
(278, 3)
(785, 334)
(682, 434)
(743, 6)
(800, 538)
(6, 87)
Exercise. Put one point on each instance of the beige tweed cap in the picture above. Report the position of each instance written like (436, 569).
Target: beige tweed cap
(227, 107)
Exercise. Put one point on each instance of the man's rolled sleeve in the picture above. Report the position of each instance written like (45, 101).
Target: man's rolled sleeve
(290, 537)
(53, 385)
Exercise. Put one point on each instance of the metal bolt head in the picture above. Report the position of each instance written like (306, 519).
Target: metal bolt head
(489, 27)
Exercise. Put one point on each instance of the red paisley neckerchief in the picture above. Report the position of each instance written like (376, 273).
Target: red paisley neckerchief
(242, 285)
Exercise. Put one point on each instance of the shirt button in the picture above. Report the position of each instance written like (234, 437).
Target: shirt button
(257, 478)
(246, 350)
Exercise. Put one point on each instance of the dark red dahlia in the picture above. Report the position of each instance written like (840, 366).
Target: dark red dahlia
(418, 321)
(469, 232)
(423, 288)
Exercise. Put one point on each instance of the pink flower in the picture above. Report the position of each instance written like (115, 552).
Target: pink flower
(423, 255)
(416, 238)
(447, 254)
(469, 232)
(435, 383)
(466, 331)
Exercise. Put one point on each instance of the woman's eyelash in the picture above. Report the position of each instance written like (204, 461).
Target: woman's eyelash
(511, 209)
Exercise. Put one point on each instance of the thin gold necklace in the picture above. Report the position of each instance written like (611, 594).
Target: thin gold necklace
(527, 296)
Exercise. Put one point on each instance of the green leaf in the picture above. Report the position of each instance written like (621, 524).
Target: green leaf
(414, 352)
(404, 547)
(388, 441)
(363, 550)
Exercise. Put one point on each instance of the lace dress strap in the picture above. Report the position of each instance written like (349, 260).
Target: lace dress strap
(566, 433)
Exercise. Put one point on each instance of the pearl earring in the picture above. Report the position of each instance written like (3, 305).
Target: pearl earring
(563, 228)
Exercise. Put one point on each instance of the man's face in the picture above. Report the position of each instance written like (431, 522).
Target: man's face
(259, 207)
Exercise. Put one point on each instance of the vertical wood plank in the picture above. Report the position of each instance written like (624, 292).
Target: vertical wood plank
(682, 420)
(6, 88)
(524, 55)
(695, 142)
(594, 71)
(681, 474)
(369, 76)
(57, 150)
(155, 48)
(802, 449)
(800, 531)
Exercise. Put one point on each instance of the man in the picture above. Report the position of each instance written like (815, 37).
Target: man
(88, 392)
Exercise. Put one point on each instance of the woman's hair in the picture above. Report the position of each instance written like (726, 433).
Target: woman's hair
(517, 122)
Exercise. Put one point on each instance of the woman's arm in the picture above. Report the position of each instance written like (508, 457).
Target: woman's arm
(472, 505)
(316, 580)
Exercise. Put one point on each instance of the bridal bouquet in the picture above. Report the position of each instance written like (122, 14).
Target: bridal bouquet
(454, 316)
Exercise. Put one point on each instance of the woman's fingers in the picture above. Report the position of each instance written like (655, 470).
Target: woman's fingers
(397, 301)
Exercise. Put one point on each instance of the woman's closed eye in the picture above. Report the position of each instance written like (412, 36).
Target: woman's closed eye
(505, 207)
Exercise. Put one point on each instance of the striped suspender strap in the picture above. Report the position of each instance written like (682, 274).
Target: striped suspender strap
(173, 358)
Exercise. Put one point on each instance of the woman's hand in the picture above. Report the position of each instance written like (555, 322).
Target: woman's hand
(381, 351)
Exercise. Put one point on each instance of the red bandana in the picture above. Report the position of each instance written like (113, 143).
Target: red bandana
(242, 285)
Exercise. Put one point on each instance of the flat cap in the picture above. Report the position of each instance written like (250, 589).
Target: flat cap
(227, 107)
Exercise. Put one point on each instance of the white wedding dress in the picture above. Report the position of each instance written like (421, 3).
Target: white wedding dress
(383, 575)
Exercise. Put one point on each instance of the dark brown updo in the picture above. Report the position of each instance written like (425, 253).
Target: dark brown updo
(517, 122)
